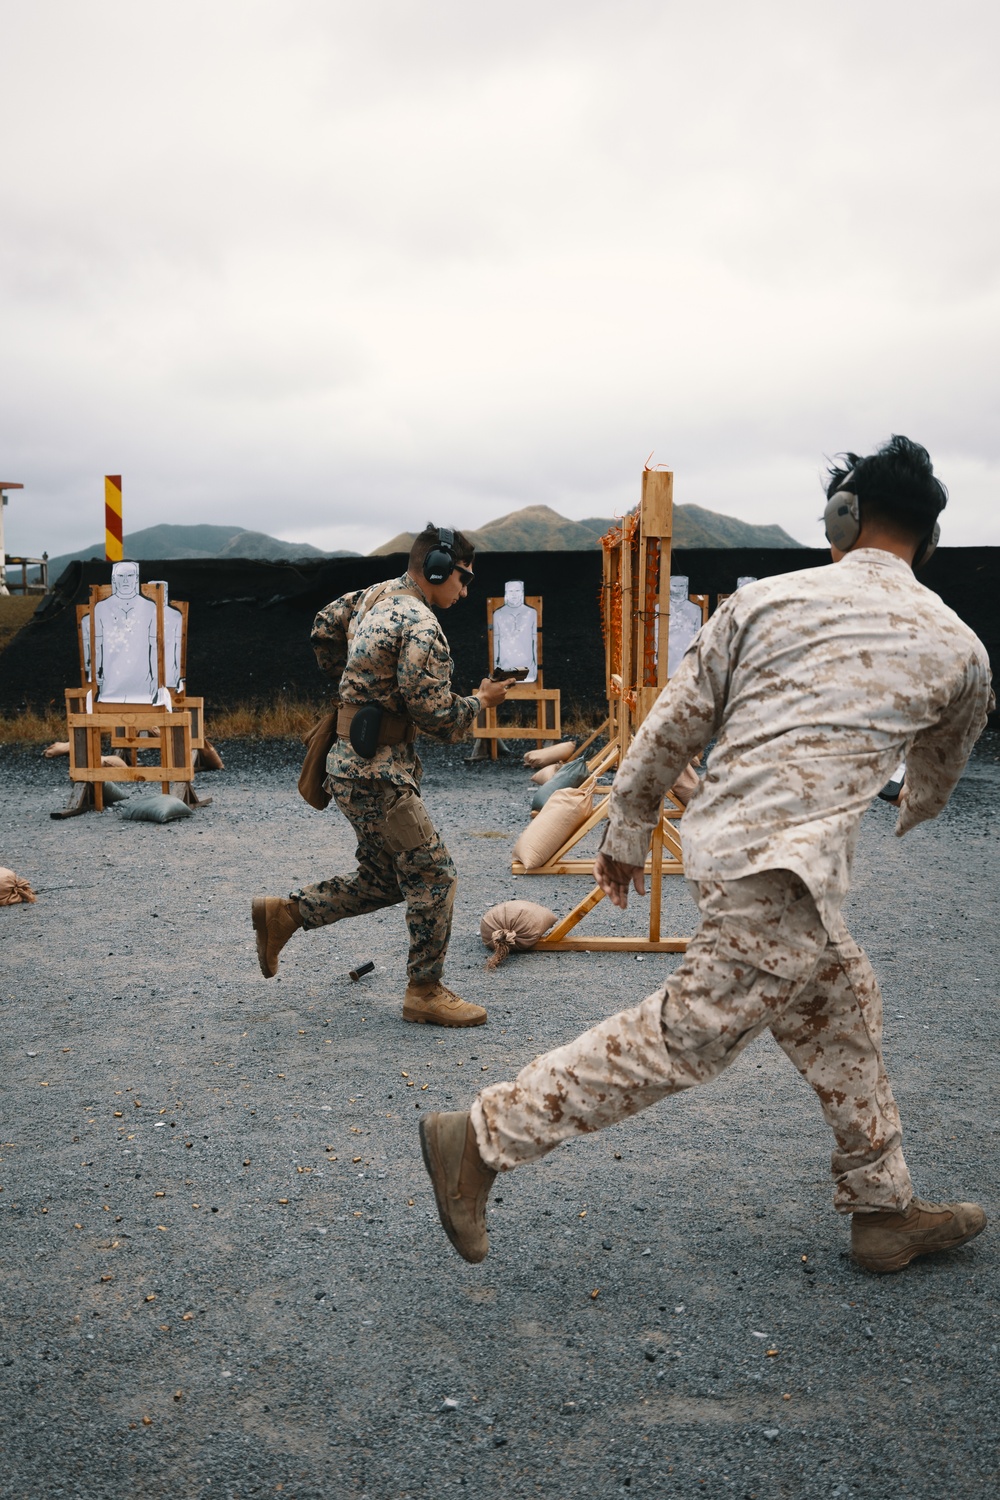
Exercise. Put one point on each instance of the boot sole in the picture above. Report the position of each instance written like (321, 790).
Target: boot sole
(428, 1153)
(258, 913)
(409, 1015)
(902, 1258)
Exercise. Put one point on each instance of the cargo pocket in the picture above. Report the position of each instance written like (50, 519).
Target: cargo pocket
(407, 825)
(745, 944)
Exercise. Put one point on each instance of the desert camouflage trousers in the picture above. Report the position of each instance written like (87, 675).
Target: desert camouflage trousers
(761, 959)
(401, 857)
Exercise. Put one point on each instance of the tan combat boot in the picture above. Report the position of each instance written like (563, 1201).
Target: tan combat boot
(275, 918)
(434, 1004)
(889, 1241)
(461, 1179)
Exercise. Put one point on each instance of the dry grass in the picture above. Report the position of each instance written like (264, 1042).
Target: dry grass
(247, 721)
(15, 611)
(285, 719)
(33, 728)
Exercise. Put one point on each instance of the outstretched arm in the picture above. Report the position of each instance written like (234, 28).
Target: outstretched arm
(680, 724)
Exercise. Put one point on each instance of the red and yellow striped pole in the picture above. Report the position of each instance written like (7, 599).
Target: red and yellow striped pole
(113, 517)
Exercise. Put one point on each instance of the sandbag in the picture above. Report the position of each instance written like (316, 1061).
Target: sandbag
(550, 755)
(113, 760)
(113, 793)
(544, 775)
(13, 890)
(60, 747)
(573, 773)
(514, 926)
(208, 758)
(161, 808)
(561, 816)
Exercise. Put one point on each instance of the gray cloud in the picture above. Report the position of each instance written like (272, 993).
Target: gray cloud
(327, 270)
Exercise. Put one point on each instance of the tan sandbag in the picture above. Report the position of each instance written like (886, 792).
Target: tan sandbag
(686, 785)
(561, 816)
(514, 926)
(549, 755)
(544, 775)
(13, 890)
(209, 758)
(113, 760)
(60, 747)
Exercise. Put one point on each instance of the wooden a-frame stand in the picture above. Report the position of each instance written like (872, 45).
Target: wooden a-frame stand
(173, 734)
(636, 611)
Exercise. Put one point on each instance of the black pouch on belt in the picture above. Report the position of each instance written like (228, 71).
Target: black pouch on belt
(364, 730)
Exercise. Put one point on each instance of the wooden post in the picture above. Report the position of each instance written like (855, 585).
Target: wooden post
(645, 547)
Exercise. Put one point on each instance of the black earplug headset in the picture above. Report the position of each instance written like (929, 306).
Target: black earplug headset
(842, 522)
(439, 563)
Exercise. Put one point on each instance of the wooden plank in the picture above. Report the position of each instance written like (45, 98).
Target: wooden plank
(611, 945)
(601, 729)
(130, 773)
(658, 502)
(531, 732)
(579, 911)
(586, 867)
(656, 885)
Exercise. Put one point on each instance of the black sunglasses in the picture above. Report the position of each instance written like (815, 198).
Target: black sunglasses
(465, 574)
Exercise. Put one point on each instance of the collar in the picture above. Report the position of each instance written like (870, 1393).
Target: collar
(876, 557)
(410, 582)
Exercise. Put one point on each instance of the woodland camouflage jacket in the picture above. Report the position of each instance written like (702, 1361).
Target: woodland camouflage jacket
(815, 685)
(395, 655)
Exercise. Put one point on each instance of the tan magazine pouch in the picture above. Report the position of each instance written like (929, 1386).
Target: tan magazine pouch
(407, 824)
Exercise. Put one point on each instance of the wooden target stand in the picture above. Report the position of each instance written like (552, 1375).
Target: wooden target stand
(173, 734)
(636, 618)
(548, 725)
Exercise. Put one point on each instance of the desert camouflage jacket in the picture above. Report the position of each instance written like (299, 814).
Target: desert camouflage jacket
(816, 684)
(396, 655)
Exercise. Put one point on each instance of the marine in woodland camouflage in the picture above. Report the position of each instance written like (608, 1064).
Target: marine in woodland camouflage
(396, 656)
(385, 646)
(815, 685)
(424, 877)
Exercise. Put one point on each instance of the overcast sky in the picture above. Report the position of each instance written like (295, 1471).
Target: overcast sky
(330, 270)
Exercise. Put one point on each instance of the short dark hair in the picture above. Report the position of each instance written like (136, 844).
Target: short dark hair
(895, 485)
(462, 548)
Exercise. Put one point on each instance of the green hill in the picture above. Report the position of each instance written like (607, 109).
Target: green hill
(170, 543)
(538, 528)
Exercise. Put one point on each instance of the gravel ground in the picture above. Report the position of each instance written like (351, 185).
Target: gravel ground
(222, 1270)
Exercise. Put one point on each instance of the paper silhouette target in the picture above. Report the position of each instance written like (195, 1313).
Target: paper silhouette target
(125, 640)
(515, 635)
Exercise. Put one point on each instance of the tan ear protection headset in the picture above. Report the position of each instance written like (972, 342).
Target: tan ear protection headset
(842, 522)
(439, 563)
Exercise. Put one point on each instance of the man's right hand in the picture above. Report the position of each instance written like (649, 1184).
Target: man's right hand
(491, 693)
(614, 879)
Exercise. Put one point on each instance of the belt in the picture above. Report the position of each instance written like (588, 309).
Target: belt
(395, 729)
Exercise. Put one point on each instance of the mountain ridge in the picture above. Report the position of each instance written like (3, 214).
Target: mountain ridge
(538, 528)
(533, 528)
(170, 543)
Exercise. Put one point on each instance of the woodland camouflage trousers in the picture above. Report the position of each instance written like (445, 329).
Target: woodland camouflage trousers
(401, 857)
(760, 960)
